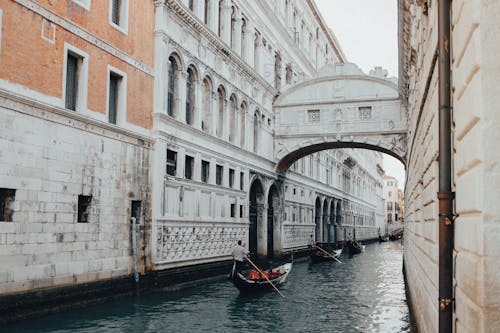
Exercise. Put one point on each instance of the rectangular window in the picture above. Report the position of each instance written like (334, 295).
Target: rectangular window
(233, 210)
(114, 83)
(313, 116)
(115, 11)
(118, 14)
(241, 211)
(72, 62)
(135, 210)
(84, 202)
(171, 162)
(218, 174)
(365, 112)
(7, 197)
(205, 171)
(188, 167)
(231, 178)
(242, 181)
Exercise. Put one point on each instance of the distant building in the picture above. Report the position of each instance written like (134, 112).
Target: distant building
(394, 200)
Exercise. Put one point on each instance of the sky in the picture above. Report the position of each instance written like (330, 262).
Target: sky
(367, 31)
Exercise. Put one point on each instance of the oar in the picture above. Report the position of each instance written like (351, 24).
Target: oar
(329, 254)
(261, 273)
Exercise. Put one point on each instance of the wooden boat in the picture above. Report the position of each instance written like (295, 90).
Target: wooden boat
(355, 247)
(320, 256)
(253, 281)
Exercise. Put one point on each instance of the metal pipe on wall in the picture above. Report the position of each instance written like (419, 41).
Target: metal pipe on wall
(445, 195)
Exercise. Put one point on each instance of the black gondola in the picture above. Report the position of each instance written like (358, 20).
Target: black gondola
(355, 247)
(320, 256)
(256, 283)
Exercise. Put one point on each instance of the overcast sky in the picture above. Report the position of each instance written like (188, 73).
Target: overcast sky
(367, 32)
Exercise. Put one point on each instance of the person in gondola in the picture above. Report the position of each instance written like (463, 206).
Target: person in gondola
(310, 243)
(239, 253)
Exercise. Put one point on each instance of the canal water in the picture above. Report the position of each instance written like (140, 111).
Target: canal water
(364, 294)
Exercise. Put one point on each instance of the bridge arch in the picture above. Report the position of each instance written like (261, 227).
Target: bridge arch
(341, 108)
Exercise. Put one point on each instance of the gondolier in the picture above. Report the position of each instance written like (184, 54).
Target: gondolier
(239, 254)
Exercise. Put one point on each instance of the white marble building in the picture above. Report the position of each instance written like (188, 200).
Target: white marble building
(219, 66)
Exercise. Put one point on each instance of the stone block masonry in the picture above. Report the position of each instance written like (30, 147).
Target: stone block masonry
(54, 161)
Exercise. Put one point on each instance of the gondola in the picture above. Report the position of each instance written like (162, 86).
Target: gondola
(319, 256)
(355, 247)
(254, 282)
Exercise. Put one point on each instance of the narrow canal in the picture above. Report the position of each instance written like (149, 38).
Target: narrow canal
(364, 294)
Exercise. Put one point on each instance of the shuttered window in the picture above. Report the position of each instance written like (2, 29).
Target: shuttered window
(113, 97)
(71, 81)
(115, 11)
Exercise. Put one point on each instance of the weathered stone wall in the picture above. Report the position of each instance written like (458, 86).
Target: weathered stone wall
(51, 156)
(476, 96)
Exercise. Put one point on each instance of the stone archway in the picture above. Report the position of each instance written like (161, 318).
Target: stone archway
(333, 224)
(317, 220)
(255, 216)
(273, 225)
(325, 222)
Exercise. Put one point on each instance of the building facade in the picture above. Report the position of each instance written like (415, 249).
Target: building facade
(162, 111)
(219, 65)
(475, 95)
(393, 200)
(76, 105)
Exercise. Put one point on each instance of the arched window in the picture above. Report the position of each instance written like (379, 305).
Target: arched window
(191, 4)
(172, 85)
(221, 6)
(256, 131)
(277, 71)
(206, 123)
(207, 3)
(220, 111)
(231, 31)
(243, 114)
(232, 118)
(190, 98)
(244, 39)
(289, 74)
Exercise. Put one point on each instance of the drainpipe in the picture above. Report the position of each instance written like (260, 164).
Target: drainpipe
(445, 195)
(134, 251)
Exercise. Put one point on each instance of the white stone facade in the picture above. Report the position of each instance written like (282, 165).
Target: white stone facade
(230, 131)
(476, 95)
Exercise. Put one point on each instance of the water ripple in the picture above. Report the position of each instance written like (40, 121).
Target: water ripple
(365, 294)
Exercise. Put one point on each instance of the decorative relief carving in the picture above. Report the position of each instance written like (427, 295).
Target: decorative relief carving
(191, 242)
(297, 235)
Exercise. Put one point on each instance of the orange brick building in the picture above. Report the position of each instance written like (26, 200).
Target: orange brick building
(76, 102)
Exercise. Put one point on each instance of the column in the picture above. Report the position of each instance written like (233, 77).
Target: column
(181, 96)
(226, 22)
(213, 15)
(258, 53)
(249, 43)
(199, 9)
(238, 23)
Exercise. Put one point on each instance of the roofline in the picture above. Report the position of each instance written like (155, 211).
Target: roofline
(334, 43)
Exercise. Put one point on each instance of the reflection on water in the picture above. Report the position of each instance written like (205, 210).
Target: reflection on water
(365, 294)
